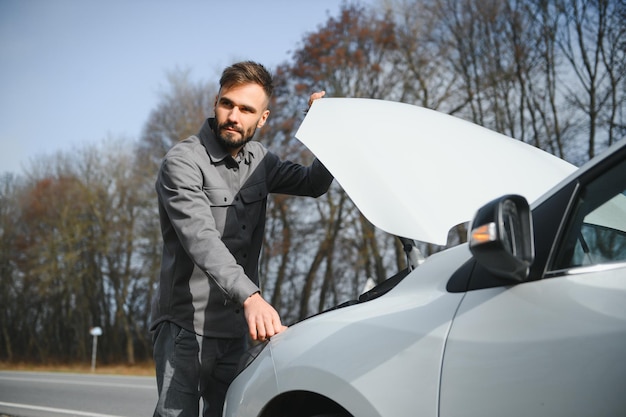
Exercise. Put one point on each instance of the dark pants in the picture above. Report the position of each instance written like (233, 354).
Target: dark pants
(190, 367)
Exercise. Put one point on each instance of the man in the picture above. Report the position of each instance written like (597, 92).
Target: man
(212, 191)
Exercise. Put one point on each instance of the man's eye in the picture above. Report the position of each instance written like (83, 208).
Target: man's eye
(226, 104)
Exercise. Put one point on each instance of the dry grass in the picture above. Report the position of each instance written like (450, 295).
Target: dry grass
(143, 369)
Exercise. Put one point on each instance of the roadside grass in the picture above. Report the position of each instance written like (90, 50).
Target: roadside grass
(139, 369)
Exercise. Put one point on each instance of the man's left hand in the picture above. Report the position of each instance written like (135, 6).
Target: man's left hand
(315, 96)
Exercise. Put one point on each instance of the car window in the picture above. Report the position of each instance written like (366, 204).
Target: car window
(596, 232)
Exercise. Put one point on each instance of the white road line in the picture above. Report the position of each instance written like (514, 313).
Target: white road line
(55, 410)
(65, 381)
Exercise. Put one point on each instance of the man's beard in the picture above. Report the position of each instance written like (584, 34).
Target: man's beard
(233, 140)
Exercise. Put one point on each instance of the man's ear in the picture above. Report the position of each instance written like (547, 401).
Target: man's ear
(263, 119)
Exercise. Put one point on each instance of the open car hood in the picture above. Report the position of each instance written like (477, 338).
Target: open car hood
(415, 172)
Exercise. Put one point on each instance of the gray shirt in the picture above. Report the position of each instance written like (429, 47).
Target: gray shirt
(212, 213)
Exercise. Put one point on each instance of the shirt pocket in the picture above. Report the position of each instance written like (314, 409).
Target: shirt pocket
(219, 197)
(251, 194)
(221, 201)
(253, 198)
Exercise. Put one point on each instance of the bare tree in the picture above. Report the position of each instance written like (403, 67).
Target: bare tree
(591, 39)
(9, 271)
(180, 112)
(428, 79)
(79, 265)
(353, 55)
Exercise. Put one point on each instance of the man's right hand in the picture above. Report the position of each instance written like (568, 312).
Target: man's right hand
(263, 320)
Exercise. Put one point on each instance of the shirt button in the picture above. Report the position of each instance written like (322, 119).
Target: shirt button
(243, 226)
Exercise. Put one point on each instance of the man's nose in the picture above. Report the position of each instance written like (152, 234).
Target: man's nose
(234, 114)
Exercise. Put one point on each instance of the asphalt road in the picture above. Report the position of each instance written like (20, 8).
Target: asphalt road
(45, 394)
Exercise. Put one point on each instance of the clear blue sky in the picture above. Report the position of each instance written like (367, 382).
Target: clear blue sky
(79, 71)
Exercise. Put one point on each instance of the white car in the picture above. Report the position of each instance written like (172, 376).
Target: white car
(526, 319)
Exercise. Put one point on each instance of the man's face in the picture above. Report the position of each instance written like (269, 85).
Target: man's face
(239, 111)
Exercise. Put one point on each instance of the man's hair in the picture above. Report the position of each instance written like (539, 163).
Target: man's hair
(247, 72)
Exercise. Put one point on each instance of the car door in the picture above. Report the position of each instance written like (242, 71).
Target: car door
(553, 346)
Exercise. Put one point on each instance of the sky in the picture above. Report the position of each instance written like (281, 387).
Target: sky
(75, 72)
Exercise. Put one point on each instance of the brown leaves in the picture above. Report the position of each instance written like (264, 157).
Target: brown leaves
(346, 51)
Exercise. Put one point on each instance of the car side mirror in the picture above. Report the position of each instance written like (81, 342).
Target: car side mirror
(501, 237)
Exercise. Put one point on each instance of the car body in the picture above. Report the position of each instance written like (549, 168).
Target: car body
(527, 318)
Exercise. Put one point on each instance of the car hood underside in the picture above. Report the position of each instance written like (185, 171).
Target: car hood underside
(415, 172)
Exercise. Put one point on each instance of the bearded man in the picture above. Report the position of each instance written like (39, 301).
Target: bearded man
(212, 191)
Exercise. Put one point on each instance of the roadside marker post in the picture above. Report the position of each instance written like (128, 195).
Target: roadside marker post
(95, 332)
